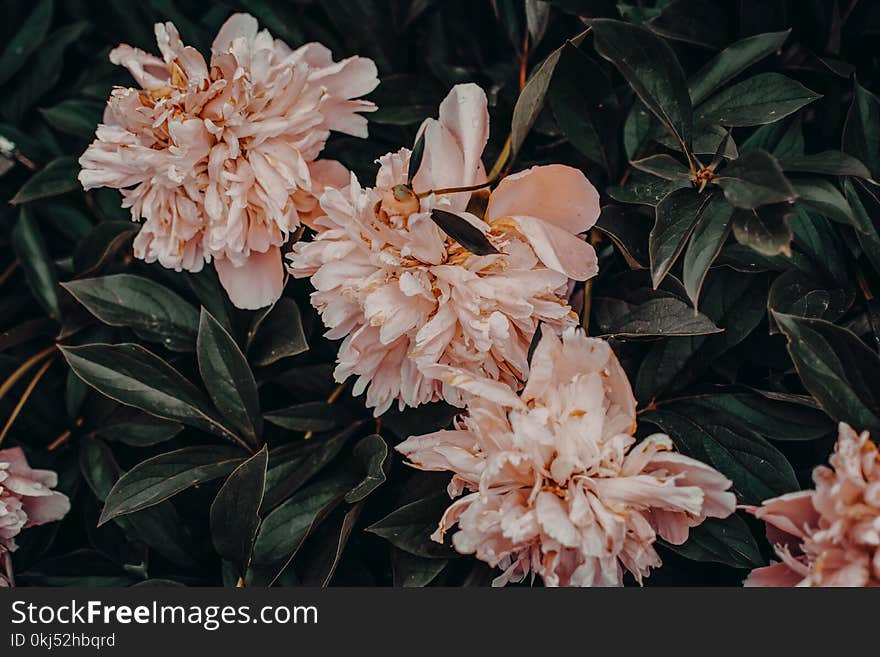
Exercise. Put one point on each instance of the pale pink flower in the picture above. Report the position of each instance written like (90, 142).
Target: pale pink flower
(26, 500)
(405, 296)
(829, 536)
(220, 160)
(552, 481)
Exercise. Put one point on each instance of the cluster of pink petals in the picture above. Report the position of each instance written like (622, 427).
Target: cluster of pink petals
(829, 536)
(407, 298)
(220, 159)
(554, 482)
(26, 499)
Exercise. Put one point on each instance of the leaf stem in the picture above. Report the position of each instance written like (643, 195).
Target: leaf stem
(23, 369)
(337, 392)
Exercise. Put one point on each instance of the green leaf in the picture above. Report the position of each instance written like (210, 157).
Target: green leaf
(28, 38)
(830, 163)
(57, 177)
(628, 229)
(677, 216)
(757, 469)
(650, 67)
(704, 246)
(294, 464)
(782, 139)
(531, 99)
(285, 529)
(324, 551)
(313, 416)
(663, 166)
(663, 317)
(410, 571)
(732, 61)
(131, 375)
(151, 310)
(44, 74)
(277, 334)
(765, 229)
(586, 113)
(636, 128)
(836, 368)
(645, 189)
(39, 270)
(733, 302)
(409, 528)
(726, 541)
(772, 418)
(463, 232)
(861, 132)
(804, 295)
(372, 453)
(753, 180)
(163, 476)
(101, 245)
(765, 98)
(235, 512)
(823, 197)
(74, 117)
(228, 378)
(701, 22)
(137, 430)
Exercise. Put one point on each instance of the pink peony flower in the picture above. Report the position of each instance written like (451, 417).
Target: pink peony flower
(555, 483)
(220, 160)
(406, 297)
(829, 536)
(26, 500)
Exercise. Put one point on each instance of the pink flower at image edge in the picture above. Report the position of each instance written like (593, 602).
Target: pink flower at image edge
(26, 500)
(830, 535)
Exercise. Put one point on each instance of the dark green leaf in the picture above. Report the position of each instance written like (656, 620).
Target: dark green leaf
(705, 244)
(753, 180)
(228, 378)
(861, 132)
(726, 541)
(628, 229)
(153, 311)
(831, 163)
(732, 61)
(138, 429)
(765, 229)
(38, 267)
(664, 317)
(57, 177)
(372, 453)
(586, 113)
(409, 528)
(837, 369)
(765, 98)
(284, 530)
(163, 476)
(131, 375)
(28, 38)
(531, 98)
(278, 335)
(645, 189)
(410, 571)
(101, 244)
(701, 22)
(463, 232)
(415, 158)
(650, 67)
(235, 512)
(758, 470)
(309, 416)
(74, 117)
(663, 166)
(803, 295)
(677, 215)
(823, 197)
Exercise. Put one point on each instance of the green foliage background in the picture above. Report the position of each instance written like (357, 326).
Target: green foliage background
(744, 312)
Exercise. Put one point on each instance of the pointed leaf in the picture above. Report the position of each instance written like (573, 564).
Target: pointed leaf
(57, 177)
(705, 244)
(677, 215)
(153, 311)
(39, 270)
(463, 232)
(228, 378)
(753, 180)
